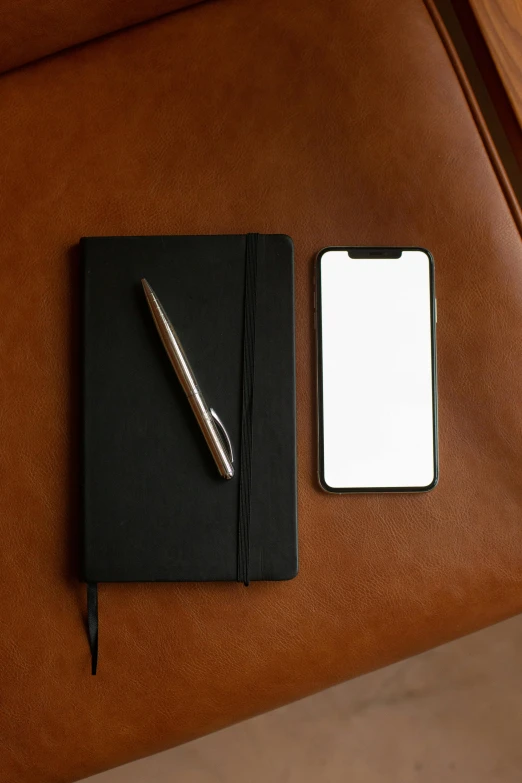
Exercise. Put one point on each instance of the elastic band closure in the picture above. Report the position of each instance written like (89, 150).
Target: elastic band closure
(92, 623)
(249, 355)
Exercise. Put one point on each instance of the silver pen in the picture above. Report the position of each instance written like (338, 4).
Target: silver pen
(209, 422)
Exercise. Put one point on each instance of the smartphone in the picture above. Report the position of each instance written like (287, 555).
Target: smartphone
(377, 374)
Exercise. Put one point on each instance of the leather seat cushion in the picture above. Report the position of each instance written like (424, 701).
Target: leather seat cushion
(337, 124)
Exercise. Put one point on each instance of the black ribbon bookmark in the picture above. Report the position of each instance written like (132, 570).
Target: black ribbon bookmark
(92, 623)
(249, 355)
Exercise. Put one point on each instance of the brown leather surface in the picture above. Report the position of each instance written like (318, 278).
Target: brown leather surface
(30, 29)
(334, 124)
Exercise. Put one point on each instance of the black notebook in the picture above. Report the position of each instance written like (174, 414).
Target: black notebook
(155, 507)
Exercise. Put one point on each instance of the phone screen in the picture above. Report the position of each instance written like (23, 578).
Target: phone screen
(377, 371)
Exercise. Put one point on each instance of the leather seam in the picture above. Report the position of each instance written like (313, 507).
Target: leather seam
(99, 37)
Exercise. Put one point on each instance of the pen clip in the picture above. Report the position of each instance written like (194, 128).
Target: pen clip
(223, 433)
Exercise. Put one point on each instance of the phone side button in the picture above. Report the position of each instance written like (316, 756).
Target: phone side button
(435, 311)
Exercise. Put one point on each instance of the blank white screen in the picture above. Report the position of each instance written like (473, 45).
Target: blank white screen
(377, 371)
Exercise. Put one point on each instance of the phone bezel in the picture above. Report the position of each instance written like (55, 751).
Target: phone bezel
(374, 252)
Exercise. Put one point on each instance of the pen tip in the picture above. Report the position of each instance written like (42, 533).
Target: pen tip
(149, 293)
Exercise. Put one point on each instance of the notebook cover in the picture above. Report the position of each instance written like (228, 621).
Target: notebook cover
(154, 505)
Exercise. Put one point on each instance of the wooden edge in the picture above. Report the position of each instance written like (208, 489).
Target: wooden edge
(478, 10)
(480, 122)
